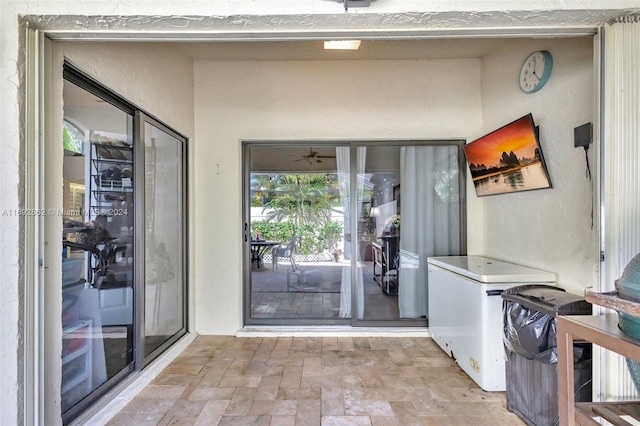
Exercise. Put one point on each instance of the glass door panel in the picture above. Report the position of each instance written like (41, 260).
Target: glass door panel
(124, 201)
(97, 245)
(304, 249)
(164, 290)
(296, 237)
(409, 210)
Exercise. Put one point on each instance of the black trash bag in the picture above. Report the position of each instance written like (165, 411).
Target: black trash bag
(533, 335)
(527, 331)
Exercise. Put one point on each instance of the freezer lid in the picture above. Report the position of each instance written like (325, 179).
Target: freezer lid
(487, 270)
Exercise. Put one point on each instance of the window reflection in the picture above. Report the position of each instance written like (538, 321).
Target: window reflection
(97, 244)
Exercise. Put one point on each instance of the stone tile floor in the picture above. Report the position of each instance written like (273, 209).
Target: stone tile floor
(223, 380)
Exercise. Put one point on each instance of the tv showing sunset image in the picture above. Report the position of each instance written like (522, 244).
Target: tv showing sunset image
(508, 159)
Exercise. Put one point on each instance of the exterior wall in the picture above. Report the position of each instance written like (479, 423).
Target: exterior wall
(289, 100)
(131, 71)
(443, 14)
(550, 229)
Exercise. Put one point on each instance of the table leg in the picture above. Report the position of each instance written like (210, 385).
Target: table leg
(566, 400)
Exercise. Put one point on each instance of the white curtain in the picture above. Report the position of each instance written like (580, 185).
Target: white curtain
(343, 162)
(430, 219)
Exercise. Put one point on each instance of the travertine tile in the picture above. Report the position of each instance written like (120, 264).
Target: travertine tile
(183, 369)
(346, 421)
(312, 367)
(402, 382)
(173, 379)
(128, 419)
(162, 392)
(312, 381)
(428, 407)
(241, 401)
(274, 408)
(268, 387)
(239, 381)
(213, 376)
(244, 421)
(286, 362)
(298, 344)
(309, 412)
(405, 412)
(178, 421)
(148, 405)
(444, 421)
(195, 360)
(283, 344)
(205, 393)
(346, 344)
(211, 413)
(332, 407)
(238, 367)
(186, 408)
(299, 393)
(388, 421)
(268, 392)
(355, 407)
(321, 382)
(291, 376)
(283, 421)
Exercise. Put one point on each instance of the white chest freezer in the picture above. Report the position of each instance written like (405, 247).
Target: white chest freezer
(465, 311)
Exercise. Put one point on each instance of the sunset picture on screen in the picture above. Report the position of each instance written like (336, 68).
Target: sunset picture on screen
(508, 159)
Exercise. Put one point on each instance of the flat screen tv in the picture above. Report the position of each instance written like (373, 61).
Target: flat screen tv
(508, 159)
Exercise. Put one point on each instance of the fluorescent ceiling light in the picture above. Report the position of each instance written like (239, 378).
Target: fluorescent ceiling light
(342, 44)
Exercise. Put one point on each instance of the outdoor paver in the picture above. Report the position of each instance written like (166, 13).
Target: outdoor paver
(314, 381)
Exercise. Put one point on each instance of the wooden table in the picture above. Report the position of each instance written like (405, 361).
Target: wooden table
(601, 330)
(259, 248)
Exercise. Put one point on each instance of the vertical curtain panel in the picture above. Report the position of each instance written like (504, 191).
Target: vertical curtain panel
(430, 218)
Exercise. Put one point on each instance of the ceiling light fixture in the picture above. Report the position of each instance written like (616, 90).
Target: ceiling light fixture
(354, 3)
(342, 44)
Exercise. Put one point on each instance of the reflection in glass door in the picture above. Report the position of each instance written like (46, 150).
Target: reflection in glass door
(164, 244)
(98, 248)
(410, 209)
(304, 248)
(123, 248)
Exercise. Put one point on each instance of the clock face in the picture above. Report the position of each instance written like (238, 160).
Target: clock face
(535, 71)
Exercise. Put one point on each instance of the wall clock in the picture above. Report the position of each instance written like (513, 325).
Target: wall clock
(535, 71)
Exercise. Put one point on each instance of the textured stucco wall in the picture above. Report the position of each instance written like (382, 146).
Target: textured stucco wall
(131, 71)
(549, 229)
(289, 100)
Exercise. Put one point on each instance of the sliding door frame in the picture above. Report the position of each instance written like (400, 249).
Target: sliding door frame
(246, 237)
(353, 145)
(141, 119)
(76, 76)
(462, 184)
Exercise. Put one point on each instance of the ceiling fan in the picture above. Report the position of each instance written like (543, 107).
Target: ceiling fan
(313, 157)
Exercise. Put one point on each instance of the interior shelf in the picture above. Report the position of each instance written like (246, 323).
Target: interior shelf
(76, 365)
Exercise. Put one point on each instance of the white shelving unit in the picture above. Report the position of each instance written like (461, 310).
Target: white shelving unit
(77, 357)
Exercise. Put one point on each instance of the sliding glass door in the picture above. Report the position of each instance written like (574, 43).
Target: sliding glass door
(410, 209)
(98, 248)
(296, 256)
(123, 248)
(310, 261)
(163, 209)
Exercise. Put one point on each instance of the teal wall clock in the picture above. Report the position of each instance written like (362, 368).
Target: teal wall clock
(535, 71)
